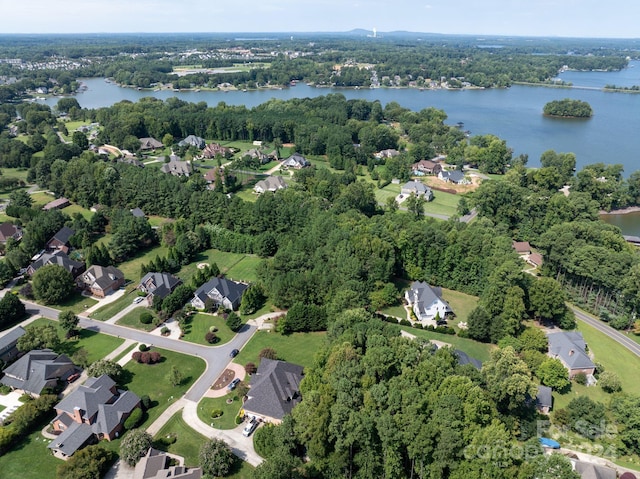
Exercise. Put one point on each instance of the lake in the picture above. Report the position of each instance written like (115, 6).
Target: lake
(629, 223)
(514, 114)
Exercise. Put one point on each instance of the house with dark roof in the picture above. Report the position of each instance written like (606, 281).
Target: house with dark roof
(571, 349)
(57, 204)
(9, 230)
(544, 399)
(8, 344)
(100, 280)
(193, 140)
(177, 167)
(296, 161)
(221, 291)
(274, 390)
(137, 212)
(58, 258)
(426, 301)
(270, 183)
(263, 157)
(453, 176)
(149, 144)
(37, 370)
(155, 465)
(464, 358)
(60, 240)
(426, 167)
(158, 285)
(417, 188)
(96, 410)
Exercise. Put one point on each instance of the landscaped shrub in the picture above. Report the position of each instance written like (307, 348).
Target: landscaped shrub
(143, 348)
(216, 413)
(268, 353)
(239, 420)
(146, 317)
(250, 368)
(134, 419)
(4, 389)
(405, 322)
(211, 338)
(147, 357)
(145, 401)
(165, 330)
(580, 378)
(213, 329)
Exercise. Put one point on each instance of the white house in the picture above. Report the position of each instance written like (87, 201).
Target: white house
(426, 301)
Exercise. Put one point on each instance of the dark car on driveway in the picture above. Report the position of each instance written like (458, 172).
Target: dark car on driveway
(234, 353)
(232, 385)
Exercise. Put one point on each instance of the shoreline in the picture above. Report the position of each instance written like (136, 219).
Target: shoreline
(621, 211)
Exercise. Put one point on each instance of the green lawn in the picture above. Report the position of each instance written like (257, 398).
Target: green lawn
(131, 268)
(247, 194)
(473, 348)
(398, 311)
(187, 443)
(158, 220)
(125, 352)
(97, 345)
(461, 304)
(297, 348)
(76, 303)
(443, 203)
(1, 407)
(132, 319)
(153, 380)
(41, 198)
(234, 265)
(109, 310)
(199, 325)
(229, 411)
(389, 191)
(73, 209)
(30, 459)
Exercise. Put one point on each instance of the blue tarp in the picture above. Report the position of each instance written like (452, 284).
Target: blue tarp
(546, 442)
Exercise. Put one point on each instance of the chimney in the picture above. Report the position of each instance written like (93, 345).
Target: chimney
(571, 353)
(77, 414)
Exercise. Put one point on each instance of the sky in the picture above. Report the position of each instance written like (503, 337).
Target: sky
(563, 18)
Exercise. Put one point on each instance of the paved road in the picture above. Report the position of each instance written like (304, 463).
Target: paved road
(614, 334)
(215, 357)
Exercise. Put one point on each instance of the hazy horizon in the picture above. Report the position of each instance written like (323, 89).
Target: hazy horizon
(616, 19)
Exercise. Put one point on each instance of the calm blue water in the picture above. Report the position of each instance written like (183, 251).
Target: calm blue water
(514, 114)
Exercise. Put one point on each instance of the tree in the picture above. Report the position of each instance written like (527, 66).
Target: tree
(508, 379)
(553, 466)
(216, 458)
(68, 321)
(252, 299)
(52, 284)
(105, 366)
(479, 324)
(175, 376)
(81, 358)
(39, 337)
(11, 310)
(534, 339)
(80, 140)
(167, 140)
(547, 299)
(585, 416)
(234, 322)
(87, 463)
(268, 353)
(609, 382)
(20, 198)
(553, 374)
(415, 205)
(135, 445)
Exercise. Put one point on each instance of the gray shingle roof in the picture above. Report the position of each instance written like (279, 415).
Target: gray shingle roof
(59, 258)
(72, 438)
(544, 398)
(63, 235)
(193, 140)
(571, 349)
(275, 389)
(228, 289)
(417, 187)
(159, 284)
(271, 183)
(154, 466)
(11, 338)
(424, 295)
(464, 358)
(101, 276)
(35, 369)
(88, 397)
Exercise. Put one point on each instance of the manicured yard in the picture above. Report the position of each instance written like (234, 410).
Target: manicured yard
(131, 268)
(229, 411)
(473, 348)
(76, 303)
(443, 203)
(97, 345)
(158, 220)
(389, 191)
(188, 441)
(109, 310)
(235, 265)
(30, 459)
(297, 348)
(41, 198)
(247, 194)
(153, 380)
(461, 303)
(199, 325)
(398, 311)
(132, 319)
(73, 209)
(125, 352)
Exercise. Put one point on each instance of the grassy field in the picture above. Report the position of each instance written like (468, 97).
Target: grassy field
(41, 198)
(473, 348)
(97, 345)
(443, 203)
(76, 303)
(30, 459)
(153, 380)
(234, 265)
(73, 209)
(132, 319)
(229, 411)
(398, 311)
(187, 443)
(109, 310)
(131, 268)
(461, 303)
(199, 325)
(297, 348)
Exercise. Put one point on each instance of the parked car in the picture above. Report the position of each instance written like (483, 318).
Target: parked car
(234, 353)
(250, 427)
(232, 385)
(73, 377)
(138, 300)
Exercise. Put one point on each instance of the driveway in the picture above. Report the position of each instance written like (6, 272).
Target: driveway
(11, 402)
